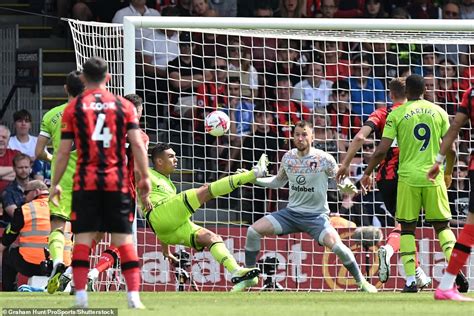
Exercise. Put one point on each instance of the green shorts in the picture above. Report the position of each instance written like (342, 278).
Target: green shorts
(433, 200)
(170, 219)
(64, 209)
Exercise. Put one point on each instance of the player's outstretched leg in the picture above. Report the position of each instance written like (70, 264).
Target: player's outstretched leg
(56, 242)
(462, 249)
(228, 184)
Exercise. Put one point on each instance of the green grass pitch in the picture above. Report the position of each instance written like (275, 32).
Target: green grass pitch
(255, 303)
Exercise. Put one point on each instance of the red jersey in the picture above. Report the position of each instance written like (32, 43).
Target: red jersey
(337, 71)
(388, 167)
(7, 161)
(449, 99)
(288, 114)
(98, 121)
(346, 124)
(466, 107)
(131, 164)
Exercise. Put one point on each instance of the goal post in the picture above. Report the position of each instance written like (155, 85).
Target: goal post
(274, 61)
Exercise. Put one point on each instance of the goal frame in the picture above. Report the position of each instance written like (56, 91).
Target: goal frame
(130, 23)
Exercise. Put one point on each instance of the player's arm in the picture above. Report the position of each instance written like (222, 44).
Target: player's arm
(446, 150)
(354, 147)
(165, 249)
(62, 158)
(274, 182)
(40, 149)
(141, 165)
(377, 157)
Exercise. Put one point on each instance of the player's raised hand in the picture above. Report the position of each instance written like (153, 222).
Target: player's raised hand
(433, 172)
(342, 173)
(347, 187)
(55, 194)
(366, 184)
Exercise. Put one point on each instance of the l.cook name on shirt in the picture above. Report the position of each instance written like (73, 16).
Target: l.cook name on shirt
(99, 106)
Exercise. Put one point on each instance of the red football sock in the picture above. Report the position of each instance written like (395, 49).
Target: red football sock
(393, 238)
(107, 259)
(461, 250)
(80, 265)
(130, 267)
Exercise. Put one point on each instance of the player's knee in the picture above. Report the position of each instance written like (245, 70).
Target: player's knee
(328, 237)
(206, 238)
(440, 226)
(252, 242)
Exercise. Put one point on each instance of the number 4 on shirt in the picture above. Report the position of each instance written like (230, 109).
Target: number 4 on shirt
(101, 133)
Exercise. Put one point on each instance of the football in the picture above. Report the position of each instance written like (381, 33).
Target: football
(217, 123)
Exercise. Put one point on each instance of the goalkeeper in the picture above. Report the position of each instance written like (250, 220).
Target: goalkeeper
(307, 170)
(168, 213)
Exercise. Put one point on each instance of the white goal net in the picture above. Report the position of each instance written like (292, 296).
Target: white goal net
(266, 75)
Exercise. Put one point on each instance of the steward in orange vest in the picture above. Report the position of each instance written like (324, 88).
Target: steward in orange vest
(31, 223)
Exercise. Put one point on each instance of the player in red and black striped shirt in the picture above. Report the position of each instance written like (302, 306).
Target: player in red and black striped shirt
(387, 177)
(98, 122)
(462, 249)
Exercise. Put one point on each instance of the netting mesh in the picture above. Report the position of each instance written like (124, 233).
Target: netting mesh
(266, 81)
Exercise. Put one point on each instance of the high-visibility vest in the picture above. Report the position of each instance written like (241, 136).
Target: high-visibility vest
(35, 232)
(67, 254)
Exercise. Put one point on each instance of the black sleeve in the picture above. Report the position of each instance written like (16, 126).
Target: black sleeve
(13, 229)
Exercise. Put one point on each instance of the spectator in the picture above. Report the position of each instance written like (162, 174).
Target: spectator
(241, 118)
(7, 174)
(14, 194)
(399, 13)
(92, 10)
(186, 73)
(468, 72)
(263, 10)
(22, 140)
(458, 194)
(467, 9)
(328, 9)
(374, 9)
(161, 48)
(423, 9)
(336, 64)
(448, 90)
(350, 9)
(341, 117)
(137, 8)
(31, 223)
(291, 9)
(455, 52)
(314, 91)
(184, 7)
(325, 138)
(430, 88)
(428, 61)
(200, 7)
(240, 65)
(226, 8)
(367, 93)
(261, 140)
(288, 111)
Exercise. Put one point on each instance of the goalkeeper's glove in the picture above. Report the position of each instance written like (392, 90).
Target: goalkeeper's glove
(347, 187)
(240, 170)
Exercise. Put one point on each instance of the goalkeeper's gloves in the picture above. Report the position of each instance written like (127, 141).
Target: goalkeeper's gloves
(347, 187)
(240, 170)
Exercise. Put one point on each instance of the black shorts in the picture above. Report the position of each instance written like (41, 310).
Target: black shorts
(471, 196)
(388, 189)
(101, 211)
